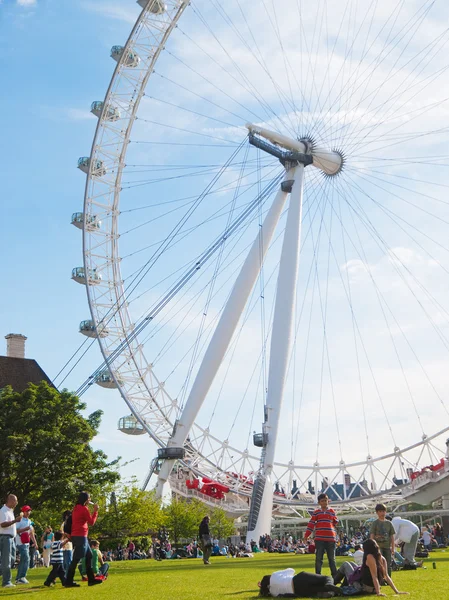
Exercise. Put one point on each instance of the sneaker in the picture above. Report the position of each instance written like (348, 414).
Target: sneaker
(51, 584)
(73, 584)
(8, 585)
(22, 581)
(95, 582)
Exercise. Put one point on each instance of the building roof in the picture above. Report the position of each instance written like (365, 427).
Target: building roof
(19, 372)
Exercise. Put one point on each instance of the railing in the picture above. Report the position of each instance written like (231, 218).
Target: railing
(426, 478)
(179, 486)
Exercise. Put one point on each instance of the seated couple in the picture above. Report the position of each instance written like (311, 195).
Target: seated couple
(366, 579)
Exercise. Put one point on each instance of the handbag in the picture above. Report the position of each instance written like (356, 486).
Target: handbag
(356, 575)
(25, 537)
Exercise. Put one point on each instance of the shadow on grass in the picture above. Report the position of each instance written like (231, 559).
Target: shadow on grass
(23, 590)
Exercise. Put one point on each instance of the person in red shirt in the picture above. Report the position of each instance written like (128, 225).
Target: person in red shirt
(81, 519)
(323, 521)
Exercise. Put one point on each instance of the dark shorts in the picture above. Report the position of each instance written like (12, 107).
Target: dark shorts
(309, 584)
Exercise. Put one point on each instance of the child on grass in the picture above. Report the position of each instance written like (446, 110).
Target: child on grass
(56, 560)
(382, 531)
(99, 567)
(323, 521)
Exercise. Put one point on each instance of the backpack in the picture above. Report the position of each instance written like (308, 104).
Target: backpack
(409, 567)
(356, 575)
(68, 525)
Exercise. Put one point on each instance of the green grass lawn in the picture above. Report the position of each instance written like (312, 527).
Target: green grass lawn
(224, 578)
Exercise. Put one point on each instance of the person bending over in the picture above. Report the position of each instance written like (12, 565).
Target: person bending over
(367, 579)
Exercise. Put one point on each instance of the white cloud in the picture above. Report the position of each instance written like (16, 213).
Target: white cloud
(27, 2)
(111, 10)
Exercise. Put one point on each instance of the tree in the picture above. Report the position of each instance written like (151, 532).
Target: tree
(221, 526)
(129, 512)
(45, 456)
(182, 518)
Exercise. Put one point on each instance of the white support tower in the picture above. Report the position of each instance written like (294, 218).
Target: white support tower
(294, 155)
(259, 521)
(222, 335)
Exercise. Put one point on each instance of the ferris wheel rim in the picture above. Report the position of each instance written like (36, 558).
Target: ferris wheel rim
(120, 293)
(90, 179)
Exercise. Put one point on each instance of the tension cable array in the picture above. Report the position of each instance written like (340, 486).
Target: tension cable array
(202, 260)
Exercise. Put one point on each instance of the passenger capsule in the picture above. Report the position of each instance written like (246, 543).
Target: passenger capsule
(156, 6)
(89, 329)
(91, 222)
(79, 275)
(111, 113)
(130, 425)
(106, 380)
(132, 58)
(98, 168)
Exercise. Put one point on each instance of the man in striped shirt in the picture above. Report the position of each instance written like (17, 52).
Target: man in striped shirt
(56, 560)
(323, 521)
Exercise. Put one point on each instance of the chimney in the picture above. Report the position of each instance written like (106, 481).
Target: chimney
(15, 345)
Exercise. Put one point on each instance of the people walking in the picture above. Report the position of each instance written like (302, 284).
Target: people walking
(323, 523)
(81, 519)
(25, 535)
(205, 539)
(7, 534)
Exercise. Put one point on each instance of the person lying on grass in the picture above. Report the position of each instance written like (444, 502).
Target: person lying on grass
(368, 578)
(303, 585)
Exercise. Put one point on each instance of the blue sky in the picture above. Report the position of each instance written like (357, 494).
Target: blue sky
(55, 61)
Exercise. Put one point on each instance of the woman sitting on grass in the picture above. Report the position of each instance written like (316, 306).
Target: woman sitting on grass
(367, 579)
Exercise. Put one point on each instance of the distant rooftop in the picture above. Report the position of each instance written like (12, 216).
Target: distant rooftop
(16, 370)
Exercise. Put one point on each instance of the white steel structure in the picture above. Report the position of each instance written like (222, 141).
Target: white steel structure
(347, 126)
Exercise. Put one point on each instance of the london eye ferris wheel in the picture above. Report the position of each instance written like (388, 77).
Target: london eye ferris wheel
(265, 242)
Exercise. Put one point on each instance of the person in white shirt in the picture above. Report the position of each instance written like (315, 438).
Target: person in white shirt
(358, 555)
(7, 535)
(427, 538)
(302, 585)
(25, 534)
(406, 531)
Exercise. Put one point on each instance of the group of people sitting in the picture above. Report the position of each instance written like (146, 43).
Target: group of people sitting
(373, 560)
(367, 578)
